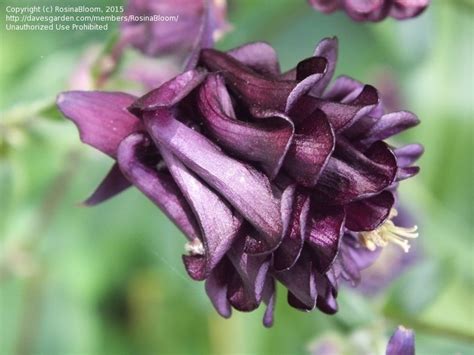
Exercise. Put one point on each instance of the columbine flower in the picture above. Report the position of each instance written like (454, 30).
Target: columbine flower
(402, 342)
(373, 10)
(184, 25)
(271, 176)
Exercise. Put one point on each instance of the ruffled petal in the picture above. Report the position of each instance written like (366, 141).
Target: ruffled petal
(351, 174)
(169, 93)
(114, 183)
(326, 48)
(252, 88)
(389, 125)
(326, 295)
(246, 189)
(312, 146)
(218, 222)
(401, 342)
(345, 115)
(294, 210)
(239, 296)
(324, 230)
(300, 282)
(343, 89)
(216, 288)
(158, 186)
(259, 56)
(252, 269)
(101, 117)
(265, 142)
(408, 154)
(369, 213)
(403, 9)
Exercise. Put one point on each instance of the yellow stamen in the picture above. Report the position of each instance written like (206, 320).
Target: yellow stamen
(194, 247)
(388, 232)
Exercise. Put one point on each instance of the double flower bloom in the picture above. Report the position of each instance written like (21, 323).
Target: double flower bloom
(271, 176)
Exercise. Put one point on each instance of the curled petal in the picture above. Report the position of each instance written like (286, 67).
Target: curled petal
(101, 117)
(343, 89)
(326, 48)
(408, 172)
(300, 282)
(310, 66)
(158, 186)
(294, 210)
(403, 9)
(269, 298)
(311, 149)
(216, 288)
(408, 154)
(401, 342)
(239, 296)
(369, 213)
(326, 295)
(252, 269)
(254, 89)
(113, 184)
(343, 116)
(352, 175)
(170, 92)
(218, 222)
(259, 56)
(246, 189)
(265, 142)
(389, 125)
(323, 233)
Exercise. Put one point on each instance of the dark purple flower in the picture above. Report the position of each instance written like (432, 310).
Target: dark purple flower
(271, 176)
(373, 10)
(181, 26)
(402, 342)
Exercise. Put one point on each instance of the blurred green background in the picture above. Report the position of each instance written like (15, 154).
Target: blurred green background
(109, 279)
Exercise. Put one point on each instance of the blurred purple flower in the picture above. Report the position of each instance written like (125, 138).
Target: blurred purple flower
(271, 176)
(185, 25)
(402, 342)
(373, 10)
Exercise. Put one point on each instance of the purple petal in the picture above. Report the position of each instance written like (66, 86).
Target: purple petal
(401, 342)
(259, 56)
(113, 184)
(345, 115)
(408, 172)
(269, 298)
(252, 269)
(326, 48)
(246, 189)
(265, 142)
(310, 66)
(239, 296)
(294, 207)
(311, 149)
(170, 92)
(158, 186)
(326, 295)
(343, 89)
(300, 282)
(324, 230)
(408, 154)
(403, 9)
(253, 88)
(218, 222)
(101, 117)
(369, 213)
(389, 125)
(351, 175)
(216, 288)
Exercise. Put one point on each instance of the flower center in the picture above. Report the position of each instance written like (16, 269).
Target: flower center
(194, 247)
(388, 232)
